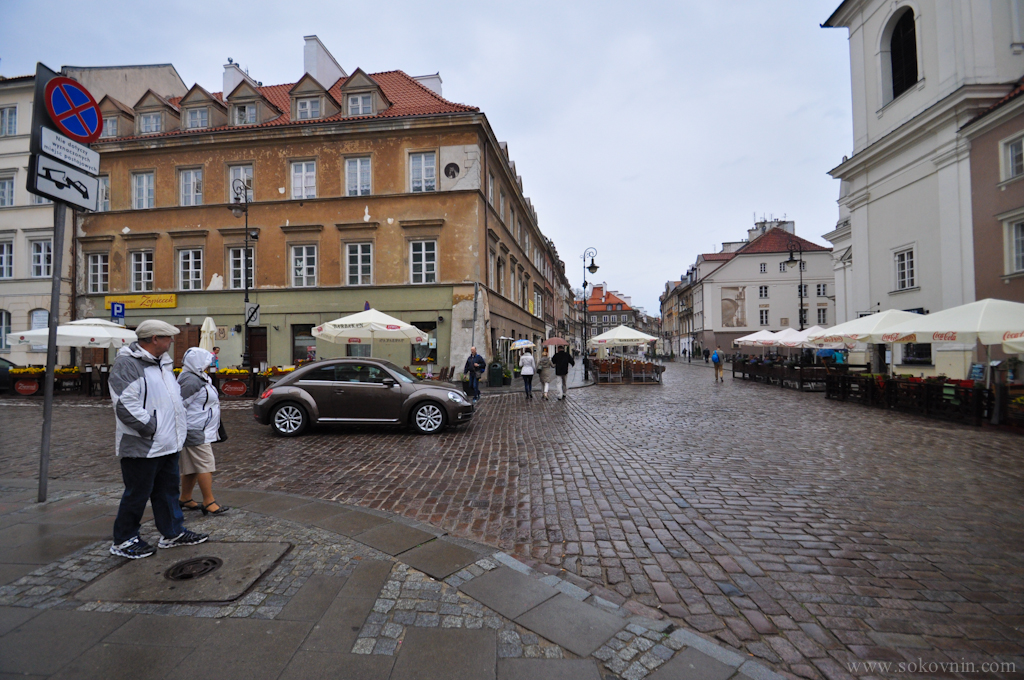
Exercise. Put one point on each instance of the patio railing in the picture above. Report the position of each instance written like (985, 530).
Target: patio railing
(962, 402)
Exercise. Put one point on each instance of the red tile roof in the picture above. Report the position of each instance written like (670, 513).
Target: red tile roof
(1017, 91)
(777, 241)
(609, 299)
(408, 98)
(717, 257)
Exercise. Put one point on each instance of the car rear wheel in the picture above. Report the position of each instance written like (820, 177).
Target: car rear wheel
(289, 419)
(428, 418)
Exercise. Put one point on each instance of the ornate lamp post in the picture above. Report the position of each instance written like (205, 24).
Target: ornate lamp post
(240, 207)
(592, 268)
(797, 246)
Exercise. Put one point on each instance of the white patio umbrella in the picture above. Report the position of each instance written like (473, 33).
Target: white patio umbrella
(1014, 346)
(621, 336)
(988, 321)
(787, 337)
(754, 339)
(82, 333)
(867, 329)
(208, 334)
(367, 325)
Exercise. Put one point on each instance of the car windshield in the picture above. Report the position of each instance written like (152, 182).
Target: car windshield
(403, 375)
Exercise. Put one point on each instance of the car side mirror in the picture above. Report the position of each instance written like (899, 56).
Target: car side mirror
(389, 382)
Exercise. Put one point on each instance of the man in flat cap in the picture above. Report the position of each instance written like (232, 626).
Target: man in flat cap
(150, 433)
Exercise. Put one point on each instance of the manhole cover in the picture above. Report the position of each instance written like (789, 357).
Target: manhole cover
(193, 569)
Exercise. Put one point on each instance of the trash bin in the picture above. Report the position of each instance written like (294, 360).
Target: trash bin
(494, 375)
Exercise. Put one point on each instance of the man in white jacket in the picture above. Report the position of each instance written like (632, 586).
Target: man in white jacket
(150, 433)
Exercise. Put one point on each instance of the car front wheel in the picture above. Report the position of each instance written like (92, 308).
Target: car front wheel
(289, 419)
(428, 418)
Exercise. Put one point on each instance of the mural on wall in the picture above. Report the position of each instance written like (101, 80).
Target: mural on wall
(734, 306)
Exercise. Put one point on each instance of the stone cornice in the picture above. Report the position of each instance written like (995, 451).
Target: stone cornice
(297, 228)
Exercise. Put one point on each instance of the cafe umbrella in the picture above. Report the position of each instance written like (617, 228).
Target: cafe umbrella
(95, 333)
(367, 326)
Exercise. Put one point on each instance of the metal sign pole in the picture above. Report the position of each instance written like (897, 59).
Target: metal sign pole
(56, 263)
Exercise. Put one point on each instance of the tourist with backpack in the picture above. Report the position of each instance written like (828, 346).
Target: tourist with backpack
(718, 359)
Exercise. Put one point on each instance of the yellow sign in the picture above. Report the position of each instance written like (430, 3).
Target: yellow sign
(153, 301)
(531, 307)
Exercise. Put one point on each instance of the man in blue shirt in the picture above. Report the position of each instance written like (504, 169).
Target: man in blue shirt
(475, 365)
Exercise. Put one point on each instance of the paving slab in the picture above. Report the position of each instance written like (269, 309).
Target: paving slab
(276, 504)
(574, 625)
(350, 523)
(243, 649)
(439, 558)
(12, 617)
(548, 669)
(144, 580)
(31, 648)
(121, 662)
(27, 532)
(237, 499)
(164, 631)
(98, 528)
(393, 538)
(12, 572)
(338, 628)
(309, 665)
(311, 512)
(367, 578)
(74, 514)
(445, 654)
(508, 592)
(692, 664)
(44, 550)
(313, 599)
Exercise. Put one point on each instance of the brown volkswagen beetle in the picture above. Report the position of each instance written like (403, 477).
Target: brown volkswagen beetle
(361, 391)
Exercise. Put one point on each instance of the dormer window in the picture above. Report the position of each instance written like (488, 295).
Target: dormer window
(245, 114)
(360, 105)
(308, 109)
(150, 123)
(109, 127)
(198, 118)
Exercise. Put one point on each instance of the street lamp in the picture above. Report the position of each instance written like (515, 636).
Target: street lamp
(796, 245)
(238, 208)
(592, 268)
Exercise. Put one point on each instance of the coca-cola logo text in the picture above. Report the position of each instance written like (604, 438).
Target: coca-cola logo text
(1013, 335)
(948, 336)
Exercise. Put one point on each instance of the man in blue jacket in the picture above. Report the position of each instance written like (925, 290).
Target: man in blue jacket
(475, 365)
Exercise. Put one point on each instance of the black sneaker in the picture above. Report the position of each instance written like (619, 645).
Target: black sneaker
(133, 549)
(186, 537)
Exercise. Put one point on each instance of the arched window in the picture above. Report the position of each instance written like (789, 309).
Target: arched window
(903, 54)
(5, 328)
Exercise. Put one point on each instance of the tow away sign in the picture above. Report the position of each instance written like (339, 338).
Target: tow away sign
(62, 182)
(70, 151)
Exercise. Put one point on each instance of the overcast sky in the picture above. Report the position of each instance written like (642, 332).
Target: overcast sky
(651, 131)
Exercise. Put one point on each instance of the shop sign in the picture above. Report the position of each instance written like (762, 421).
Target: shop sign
(154, 301)
(233, 388)
(26, 387)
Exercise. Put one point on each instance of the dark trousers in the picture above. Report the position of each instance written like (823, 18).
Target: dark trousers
(528, 383)
(474, 384)
(149, 479)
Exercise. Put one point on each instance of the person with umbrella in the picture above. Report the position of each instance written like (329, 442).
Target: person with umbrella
(529, 367)
(562, 361)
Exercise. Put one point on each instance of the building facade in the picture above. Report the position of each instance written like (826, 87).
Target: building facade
(364, 189)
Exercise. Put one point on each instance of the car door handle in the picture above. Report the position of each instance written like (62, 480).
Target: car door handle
(339, 391)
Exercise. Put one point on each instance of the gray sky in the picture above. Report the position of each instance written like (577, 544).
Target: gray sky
(651, 131)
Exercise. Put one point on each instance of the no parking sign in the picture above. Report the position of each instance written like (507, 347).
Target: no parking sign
(73, 110)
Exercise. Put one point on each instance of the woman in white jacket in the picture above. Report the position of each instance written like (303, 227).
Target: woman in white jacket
(202, 413)
(529, 367)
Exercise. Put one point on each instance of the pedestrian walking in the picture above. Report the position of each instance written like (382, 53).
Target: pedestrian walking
(475, 365)
(149, 434)
(202, 416)
(216, 358)
(562, 362)
(718, 358)
(707, 353)
(528, 366)
(547, 372)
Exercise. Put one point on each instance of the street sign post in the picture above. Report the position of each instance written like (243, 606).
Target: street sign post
(62, 182)
(73, 110)
(69, 151)
(117, 312)
(252, 314)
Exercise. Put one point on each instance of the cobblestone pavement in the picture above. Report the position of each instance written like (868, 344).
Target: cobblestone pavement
(810, 534)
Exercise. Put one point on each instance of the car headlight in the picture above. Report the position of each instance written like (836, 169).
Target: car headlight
(457, 398)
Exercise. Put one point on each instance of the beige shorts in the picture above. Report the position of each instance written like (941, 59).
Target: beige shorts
(197, 459)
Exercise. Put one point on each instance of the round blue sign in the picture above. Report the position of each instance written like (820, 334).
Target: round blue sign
(73, 110)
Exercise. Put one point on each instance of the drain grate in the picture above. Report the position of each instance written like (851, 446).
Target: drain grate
(194, 568)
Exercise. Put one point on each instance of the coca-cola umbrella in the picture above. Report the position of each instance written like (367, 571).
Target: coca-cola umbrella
(366, 326)
(97, 333)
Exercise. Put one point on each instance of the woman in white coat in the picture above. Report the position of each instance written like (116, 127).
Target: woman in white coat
(529, 367)
(547, 372)
(202, 413)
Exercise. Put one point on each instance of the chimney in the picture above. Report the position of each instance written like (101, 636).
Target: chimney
(319, 63)
(431, 82)
(233, 76)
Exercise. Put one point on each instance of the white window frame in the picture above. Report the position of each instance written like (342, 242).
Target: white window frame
(822, 316)
(198, 118)
(103, 205)
(604, 318)
(6, 259)
(501, 204)
(243, 114)
(190, 269)
(305, 172)
(501, 277)
(490, 188)
(141, 272)
(240, 172)
(40, 258)
(803, 265)
(492, 259)
(428, 267)
(762, 292)
(802, 316)
(763, 317)
(905, 278)
(362, 270)
(98, 269)
(307, 108)
(1015, 250)
(801, 290)
(423, 172)
(782, 266)
(8, 121)
(5, 328)
(40, 200)
(109, 127)
(6, 191)
(304, 265)
(764, 267)
(1011, 160)
(190, 185)
(143, 190)
(236, 267)
(360, 105)
(821, 289)
(358, 176)
(150, 123)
